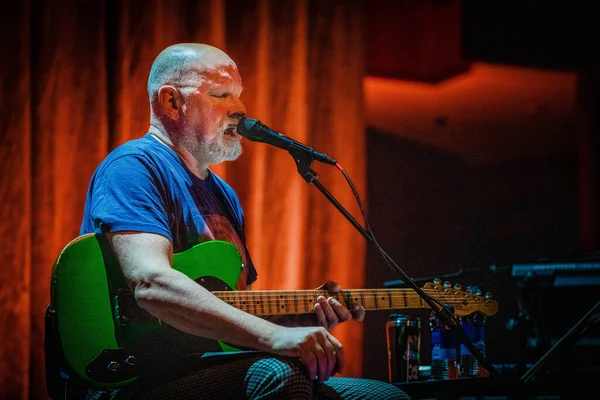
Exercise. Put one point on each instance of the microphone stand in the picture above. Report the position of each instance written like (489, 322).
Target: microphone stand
(303, 162)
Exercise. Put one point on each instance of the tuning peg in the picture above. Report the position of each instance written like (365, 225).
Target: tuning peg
(448, 284)
(458, 286)
(437, 281)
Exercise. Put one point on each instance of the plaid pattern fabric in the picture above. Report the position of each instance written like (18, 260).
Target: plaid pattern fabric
(102, 394)
(253, 375)
(358, 388)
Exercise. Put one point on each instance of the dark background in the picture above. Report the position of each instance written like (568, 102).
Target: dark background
(436, 212)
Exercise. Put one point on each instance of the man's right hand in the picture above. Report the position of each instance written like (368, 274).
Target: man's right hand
(320, 351)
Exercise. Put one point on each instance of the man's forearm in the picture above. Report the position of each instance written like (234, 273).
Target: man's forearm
(182, 303)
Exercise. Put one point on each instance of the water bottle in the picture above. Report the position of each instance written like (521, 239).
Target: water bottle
(474, 327)
(444, 365)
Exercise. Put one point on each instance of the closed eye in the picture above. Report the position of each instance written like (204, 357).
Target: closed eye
(220, 95)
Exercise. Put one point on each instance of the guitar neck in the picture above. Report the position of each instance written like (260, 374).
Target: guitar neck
(279, 302)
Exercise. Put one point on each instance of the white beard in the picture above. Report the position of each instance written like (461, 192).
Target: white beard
(218, 150)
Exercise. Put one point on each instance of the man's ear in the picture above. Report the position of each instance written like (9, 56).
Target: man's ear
(170, 101)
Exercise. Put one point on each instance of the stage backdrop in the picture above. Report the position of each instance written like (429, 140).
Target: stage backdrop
(74, 87)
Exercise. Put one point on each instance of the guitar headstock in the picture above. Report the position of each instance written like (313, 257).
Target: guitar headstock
(464, 303)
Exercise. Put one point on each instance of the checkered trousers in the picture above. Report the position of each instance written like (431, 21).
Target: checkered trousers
(254, 375)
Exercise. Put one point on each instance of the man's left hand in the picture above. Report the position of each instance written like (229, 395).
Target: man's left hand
(330, 312)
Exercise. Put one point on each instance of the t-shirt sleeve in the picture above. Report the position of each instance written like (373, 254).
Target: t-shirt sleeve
(127, 196)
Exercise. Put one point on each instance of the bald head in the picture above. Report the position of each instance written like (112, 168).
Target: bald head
(183, 64)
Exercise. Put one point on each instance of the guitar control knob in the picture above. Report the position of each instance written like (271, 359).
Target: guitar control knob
(113, 366)
(488, 295)
(458, 286)
(437, 281)
(131, 361)
(447, 284)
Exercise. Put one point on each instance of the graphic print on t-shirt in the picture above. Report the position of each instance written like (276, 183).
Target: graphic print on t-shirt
(218, 220)
(221, 229)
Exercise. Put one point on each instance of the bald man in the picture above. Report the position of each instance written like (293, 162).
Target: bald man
(155, 196)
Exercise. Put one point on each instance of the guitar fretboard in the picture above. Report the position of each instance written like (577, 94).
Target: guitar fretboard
(274, 302)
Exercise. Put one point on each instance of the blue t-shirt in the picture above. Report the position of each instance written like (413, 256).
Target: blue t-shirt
(144, 186)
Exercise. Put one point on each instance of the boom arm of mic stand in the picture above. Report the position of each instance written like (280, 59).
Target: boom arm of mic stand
(303, 162)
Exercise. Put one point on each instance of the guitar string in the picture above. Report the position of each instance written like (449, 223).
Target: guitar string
(366, 295)
(270, 297)
(236, 294)
(274, 299)
(303, 294)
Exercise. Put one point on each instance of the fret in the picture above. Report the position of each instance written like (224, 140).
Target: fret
(308, 301)
(390, 298)
(405, 298)
(362, 296)
(261, 303)
(252, 302)
(375, 295)
(346, 295)
(248, 299)
(381, 295)
(269, 304)
(355, 295)
(304, 300)
(312, 299)
(243, 300)
(276, 298)
(398, 299)
(340, 297)
(284, 302)
(257, 300)
(252, 309)
(231, 299)
(295, 294)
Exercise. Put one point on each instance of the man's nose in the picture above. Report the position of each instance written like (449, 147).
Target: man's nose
(237, 108)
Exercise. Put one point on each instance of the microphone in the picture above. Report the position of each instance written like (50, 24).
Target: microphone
(256, 131)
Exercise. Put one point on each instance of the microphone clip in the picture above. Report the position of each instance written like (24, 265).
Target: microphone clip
(303, 160)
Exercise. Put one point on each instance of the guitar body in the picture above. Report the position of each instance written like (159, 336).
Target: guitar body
(101, 342)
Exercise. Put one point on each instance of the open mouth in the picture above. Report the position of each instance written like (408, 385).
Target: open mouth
(230, 131)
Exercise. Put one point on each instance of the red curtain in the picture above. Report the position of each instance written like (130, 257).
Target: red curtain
(73, 83)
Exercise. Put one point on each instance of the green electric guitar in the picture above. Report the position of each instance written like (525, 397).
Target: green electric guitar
(106, 340)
